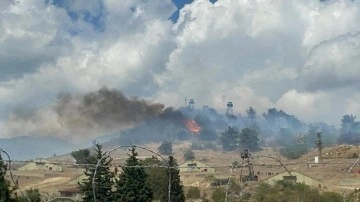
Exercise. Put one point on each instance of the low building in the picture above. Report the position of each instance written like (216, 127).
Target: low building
(62, 199)
(73, 193)
(195, 166)
(295, 177)
(41, 165)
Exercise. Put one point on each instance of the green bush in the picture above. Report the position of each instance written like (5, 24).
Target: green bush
(218, 195)
(293, 151)
(189, 155)
(331, 197)
(355, 156)
(193, 193)
(287, 191)
(165, 148)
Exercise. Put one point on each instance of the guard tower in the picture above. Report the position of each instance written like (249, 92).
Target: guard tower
(229, 109)
(191, 105)
(251, 176)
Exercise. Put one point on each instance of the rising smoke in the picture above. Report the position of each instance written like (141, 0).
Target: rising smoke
(104, 108)
(78, 116)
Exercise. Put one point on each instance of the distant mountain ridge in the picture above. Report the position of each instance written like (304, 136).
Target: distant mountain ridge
(27, 147)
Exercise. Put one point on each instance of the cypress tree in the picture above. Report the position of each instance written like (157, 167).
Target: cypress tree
(132, 185)
(177, 192)
(4, 184)
(104, 178)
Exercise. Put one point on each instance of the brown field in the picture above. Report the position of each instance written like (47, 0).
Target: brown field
(334, 170)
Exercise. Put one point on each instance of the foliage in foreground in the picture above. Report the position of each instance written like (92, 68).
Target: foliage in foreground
(288, 191)
(103, 178)
(4, 184)
(32, 194)
(132, 185)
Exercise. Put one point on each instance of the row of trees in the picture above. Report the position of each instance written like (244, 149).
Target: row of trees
(233, 139)
(139, 181)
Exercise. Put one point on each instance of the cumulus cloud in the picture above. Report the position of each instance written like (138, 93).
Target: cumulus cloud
(300, 56)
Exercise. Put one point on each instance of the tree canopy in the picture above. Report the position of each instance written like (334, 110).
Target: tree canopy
(103, 178)
(230, 139)
(165, 148)
(132, 185)
(81, 156)
(177, 192)
(4, 184)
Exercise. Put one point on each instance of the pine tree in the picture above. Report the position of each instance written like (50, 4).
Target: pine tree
(132, 185)
(4, 184)
(104, 178)
(177, 192)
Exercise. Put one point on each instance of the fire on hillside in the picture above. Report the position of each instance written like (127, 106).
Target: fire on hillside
(192, 126)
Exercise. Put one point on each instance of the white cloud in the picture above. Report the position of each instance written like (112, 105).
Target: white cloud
(295, 55)
(304, 105)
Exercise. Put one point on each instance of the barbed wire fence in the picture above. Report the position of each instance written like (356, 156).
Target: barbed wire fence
(132, 146)
(16, 184)
(232, 168)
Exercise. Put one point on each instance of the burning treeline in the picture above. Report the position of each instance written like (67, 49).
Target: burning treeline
(109, 111)
(94, 114)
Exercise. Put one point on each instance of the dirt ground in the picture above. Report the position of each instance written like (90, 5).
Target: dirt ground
(339, 169)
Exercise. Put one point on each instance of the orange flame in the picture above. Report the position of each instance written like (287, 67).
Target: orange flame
(192, 126)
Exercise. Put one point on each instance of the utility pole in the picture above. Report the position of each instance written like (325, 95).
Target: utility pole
(319, 145)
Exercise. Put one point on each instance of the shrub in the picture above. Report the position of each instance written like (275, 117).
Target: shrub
(189, 155)
(218, 195)
(165, 148)
(293, 151)
(355, 156)
(193, 193)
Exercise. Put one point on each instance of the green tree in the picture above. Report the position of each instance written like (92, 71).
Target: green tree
(165, 148)
(104, 178)
(177, 192)
(331, 197)
(230, 139)
(189, 155)
(218, 195)
(290, 191)
(132, 185)
(156, 176)
(249, 139)
(251, 115)
(81, 156)
(4, 184)
(193, 193)
(32, 194)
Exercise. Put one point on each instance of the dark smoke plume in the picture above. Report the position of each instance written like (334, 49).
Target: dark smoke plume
(77, 116)
(105, 108)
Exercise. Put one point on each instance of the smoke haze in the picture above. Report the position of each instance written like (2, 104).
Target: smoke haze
(76, 116)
